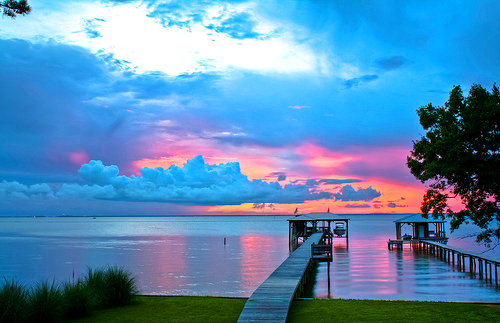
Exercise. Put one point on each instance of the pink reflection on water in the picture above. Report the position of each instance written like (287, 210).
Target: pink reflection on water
(162, 264)
(260, 256)
(366, 269)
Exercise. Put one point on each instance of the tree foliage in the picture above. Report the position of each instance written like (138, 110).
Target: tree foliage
(12, 8)
(459, 157)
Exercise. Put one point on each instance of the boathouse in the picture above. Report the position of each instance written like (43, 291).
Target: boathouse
(428, 229)
(303, 226)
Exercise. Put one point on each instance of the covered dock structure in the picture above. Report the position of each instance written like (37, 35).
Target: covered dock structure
(303, 226)
(428, 229)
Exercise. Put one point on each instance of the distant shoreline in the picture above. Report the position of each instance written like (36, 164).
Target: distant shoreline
(183, 215)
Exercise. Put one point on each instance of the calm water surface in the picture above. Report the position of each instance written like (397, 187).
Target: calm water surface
(187, 256)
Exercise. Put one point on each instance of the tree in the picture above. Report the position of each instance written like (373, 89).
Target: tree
(460, 157)
(12, 8)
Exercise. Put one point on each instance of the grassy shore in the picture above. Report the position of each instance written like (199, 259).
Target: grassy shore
(217, 309)
(172, 309)
(324, 310)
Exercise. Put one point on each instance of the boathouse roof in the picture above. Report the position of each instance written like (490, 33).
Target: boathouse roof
(319, 217)
(418, 218)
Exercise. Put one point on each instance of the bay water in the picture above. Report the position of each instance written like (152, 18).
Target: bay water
(232, 256)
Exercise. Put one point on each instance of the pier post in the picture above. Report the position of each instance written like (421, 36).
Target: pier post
(328, 270)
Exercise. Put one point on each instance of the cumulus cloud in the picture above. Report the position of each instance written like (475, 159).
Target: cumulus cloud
(348, 193)
(195, 183)
(18, 190)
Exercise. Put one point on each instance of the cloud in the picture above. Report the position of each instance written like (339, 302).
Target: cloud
(298, 107)
(91, 26)
(330, 181)
(261, 206)
(311, 183)
(333, 181)
(239, 26)
(196, 183)
(281, 176)
(347, 193)
(394, 205)
(9, 190)
(358, 80)
(390, 63)
(357, 206)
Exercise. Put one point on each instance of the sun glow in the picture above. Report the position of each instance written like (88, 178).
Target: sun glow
(133, 35)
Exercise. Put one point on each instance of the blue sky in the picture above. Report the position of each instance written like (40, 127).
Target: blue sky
(247, 106)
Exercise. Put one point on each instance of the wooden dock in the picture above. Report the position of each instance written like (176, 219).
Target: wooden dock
(272, 299)
(485, 267)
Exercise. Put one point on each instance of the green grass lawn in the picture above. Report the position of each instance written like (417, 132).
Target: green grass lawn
(219, 309)
(172, 309)
(341, 310)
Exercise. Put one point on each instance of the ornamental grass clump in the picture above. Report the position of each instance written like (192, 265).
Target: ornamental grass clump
(79, 300)
(46, 303)
(13, 302)
(120, 287)
(111, 286)
(100, 288)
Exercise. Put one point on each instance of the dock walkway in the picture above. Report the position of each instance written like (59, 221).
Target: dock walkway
(453, 255)
(272, 299)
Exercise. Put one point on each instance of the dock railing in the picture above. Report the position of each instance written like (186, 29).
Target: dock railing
(321, 252)
(484, 267)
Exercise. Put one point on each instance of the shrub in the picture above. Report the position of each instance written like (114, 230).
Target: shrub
(79, 300)
(13, 302)
(45, 303)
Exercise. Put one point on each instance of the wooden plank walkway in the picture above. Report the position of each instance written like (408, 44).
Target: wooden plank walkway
(272, 299)
(449, 254)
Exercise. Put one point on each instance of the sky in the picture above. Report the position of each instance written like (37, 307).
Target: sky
(228, 107)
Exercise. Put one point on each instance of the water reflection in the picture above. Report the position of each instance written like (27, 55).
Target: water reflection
(175, 256)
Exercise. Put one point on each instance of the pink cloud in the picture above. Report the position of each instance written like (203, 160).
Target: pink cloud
(78, 157)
